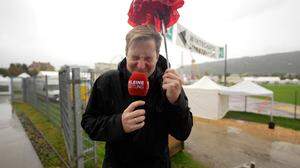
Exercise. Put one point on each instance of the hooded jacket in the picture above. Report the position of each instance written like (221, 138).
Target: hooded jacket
(148, 146)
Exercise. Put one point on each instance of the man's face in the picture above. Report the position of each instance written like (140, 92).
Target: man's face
(142, 57)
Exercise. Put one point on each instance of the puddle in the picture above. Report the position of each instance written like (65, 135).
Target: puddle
(233, 130)
(285, 152)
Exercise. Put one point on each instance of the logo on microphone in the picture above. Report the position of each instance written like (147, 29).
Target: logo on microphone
(136, 84)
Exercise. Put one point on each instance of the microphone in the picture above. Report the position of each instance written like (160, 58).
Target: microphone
(138, 85)
(138, 89)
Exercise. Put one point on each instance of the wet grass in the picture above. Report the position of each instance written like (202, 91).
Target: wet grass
(55, 137)
(265, 119)
(285, 92)
(49, 131)
(184, 160)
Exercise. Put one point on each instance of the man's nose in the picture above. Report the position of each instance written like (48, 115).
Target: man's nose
(141, 64)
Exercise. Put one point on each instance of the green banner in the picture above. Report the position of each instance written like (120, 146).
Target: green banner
(221, 52)
(169, 34)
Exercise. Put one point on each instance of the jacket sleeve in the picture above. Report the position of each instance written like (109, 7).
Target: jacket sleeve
(100, 123)
(179, 117)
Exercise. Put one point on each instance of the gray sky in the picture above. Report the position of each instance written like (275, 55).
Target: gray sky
(88, 31)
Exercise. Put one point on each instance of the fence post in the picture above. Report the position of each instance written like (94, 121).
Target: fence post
(92, 75)
(11, 88)
(23, 90)
(46, 90)
(66, 113)
(77, 114)
(245, 103)
(35, 103)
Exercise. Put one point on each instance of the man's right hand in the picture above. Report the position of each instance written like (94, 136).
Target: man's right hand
(133, 119)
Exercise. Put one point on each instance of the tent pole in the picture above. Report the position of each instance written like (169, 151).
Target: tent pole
(271, 111)
(225, 66)
(271, 123)
(245, 103)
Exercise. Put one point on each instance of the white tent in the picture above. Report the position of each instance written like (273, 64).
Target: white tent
(210, 100)
(205, 99)
(248, 88)
(5, 86)
(48, 73)
(23, 75)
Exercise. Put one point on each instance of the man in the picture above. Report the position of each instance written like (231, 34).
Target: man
(138, 137)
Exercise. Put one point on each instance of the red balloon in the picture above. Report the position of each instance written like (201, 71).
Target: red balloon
(145, 12)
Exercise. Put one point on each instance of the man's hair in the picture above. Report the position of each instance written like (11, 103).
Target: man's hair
(143, 33)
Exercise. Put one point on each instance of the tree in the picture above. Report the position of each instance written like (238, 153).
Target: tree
(36, 67)
(4, 72)
(15, 69)
(33, 72)
(24, 68)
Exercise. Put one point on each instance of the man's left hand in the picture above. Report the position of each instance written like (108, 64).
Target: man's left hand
(172, 83)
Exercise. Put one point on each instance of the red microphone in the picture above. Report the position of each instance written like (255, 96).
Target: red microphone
(138, 88)
(138, 85)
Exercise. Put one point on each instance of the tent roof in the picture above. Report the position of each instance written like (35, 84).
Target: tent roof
(48, 73)
(248, 88)
(4, 78)
(205, 83)
(24, 75)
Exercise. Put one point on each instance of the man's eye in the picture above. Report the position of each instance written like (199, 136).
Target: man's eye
(148, 58)
(135, 58)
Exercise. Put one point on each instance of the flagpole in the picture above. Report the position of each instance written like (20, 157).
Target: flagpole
(165, 41)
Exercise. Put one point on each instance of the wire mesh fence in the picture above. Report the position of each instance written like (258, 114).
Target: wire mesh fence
(263, 105)
(62, 99)
(74, 89)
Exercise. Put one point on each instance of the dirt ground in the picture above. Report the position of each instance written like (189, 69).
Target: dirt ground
(256, 129)
(229, 143)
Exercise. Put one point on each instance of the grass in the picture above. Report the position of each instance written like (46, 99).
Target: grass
(55, 137)
(284, 92)
(51, 133)
(260, 118)
(184, 160)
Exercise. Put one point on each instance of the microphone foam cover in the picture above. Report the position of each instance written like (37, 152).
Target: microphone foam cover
(138, 84)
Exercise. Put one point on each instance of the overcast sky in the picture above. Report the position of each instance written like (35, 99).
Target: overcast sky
(87, 31)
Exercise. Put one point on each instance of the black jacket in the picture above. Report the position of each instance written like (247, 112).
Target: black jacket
(147, 147)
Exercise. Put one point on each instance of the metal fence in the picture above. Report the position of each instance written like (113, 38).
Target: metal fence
(16, 88)
(263, 105)
(74, 87)
(62, 99)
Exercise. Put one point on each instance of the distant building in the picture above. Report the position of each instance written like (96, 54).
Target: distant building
(81, 67)
(262, 79)
(233, 78)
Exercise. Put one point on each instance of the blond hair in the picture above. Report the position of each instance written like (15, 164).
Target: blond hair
(143, 33)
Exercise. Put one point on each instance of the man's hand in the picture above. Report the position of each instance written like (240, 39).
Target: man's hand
(172, 83)
(133, 119)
